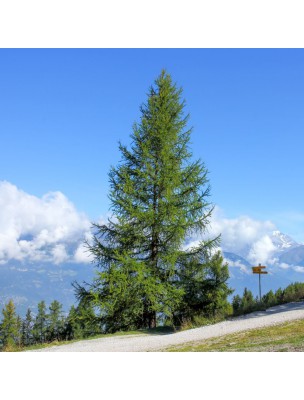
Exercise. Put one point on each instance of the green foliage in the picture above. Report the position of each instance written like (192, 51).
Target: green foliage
(269, 299)
(55, 328)
(237, 304)
(10, 327)
(83, 322)
(248, 301)
(293, 292)
(72, 327)
(16, 333)
(204, 283)
(27, 329)
(40, 324)
(246, 304)
(158, 197)
(279, 296)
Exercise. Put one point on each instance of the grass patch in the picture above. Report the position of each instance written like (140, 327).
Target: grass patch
(285, 337)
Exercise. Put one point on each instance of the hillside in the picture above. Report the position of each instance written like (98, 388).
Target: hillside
(271, 317)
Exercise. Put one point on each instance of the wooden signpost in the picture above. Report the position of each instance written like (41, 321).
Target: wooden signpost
(258, 270)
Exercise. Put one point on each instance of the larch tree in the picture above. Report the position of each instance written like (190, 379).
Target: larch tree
(55, 321)
(40, 323)
(158, 196)
(27, 326)
(9, 328)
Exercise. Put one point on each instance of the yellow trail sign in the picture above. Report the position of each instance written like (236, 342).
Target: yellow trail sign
(258, 270)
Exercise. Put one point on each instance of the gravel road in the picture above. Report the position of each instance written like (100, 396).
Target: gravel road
(155, 342)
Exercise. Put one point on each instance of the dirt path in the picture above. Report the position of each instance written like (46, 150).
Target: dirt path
(142, 343)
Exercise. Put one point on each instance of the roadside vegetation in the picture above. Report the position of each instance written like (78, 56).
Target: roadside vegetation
(48, 326)
(247, 303)
(288, 337)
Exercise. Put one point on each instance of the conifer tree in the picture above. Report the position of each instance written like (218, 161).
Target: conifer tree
(205, 287)
(248, 301)
(9, 327)
(158, 196)
(40, 324)
(27, 326)
(72, 328)
(82, 321)
(18, 339)
(237, 304)
(55, 321)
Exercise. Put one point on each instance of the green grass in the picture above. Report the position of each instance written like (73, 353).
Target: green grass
(285, 337)
(288, 337)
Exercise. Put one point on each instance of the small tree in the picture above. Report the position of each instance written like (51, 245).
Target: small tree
(279, 296)
(248, 301)
(82, 321)
(27, 327)
(40, 324)
(204, 283)
(237, 304)
(269, 299)
(293, 292)
(72, 327)
(55, 321)
(9, 327)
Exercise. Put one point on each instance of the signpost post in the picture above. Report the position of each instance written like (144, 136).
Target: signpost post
(258, 270)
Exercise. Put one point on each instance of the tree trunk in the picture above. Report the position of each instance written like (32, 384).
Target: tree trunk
(152, 320)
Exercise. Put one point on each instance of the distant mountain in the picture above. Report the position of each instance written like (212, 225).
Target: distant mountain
(294, 256)
(235, 259)
(286, 267)
(241, 276)
(283, 242)
(27, 284)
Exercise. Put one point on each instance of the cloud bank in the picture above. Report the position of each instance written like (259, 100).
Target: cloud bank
(245, 236)
(50, 229)
(47, 229)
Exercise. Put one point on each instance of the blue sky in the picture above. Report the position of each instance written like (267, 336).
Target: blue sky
(62, 113)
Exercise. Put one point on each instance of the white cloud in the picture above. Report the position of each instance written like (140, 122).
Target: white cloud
(81, 254)
(59, 254)
(299, 269)
(244, 236)
(296, 268)
(238, 235)
(284, 266)
(262, 250)
(238, 265)
(39, 229)
(51, 229)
